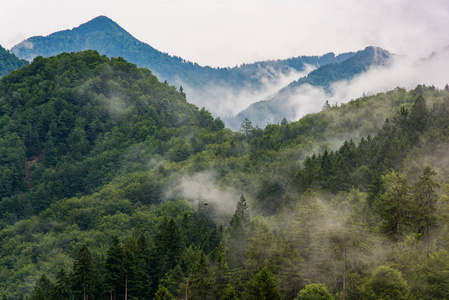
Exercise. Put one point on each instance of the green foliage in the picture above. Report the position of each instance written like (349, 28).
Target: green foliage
(314, 292)
(263, 286)
(9, 62)
(386, 283)
(163, 294)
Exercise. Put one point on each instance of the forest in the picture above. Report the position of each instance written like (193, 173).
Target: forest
(113, 186)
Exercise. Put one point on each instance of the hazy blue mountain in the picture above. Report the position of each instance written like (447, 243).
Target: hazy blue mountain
(9, 62)
(279, 106)
(108, 38)
(213, 88)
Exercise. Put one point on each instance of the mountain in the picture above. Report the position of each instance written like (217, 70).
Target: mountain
(283, 105)
(218, 89)
(9, 62)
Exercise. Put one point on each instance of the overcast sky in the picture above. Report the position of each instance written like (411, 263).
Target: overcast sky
(232, 32)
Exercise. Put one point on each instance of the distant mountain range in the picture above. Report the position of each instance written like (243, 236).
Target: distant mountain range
(223, 91)
(9, 62)
(108, 38)
(281, 105)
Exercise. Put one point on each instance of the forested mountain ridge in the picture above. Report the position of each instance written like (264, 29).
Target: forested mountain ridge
(281, 105)
(9, 62)
(223, 91)
(131, 190)
(108, 38)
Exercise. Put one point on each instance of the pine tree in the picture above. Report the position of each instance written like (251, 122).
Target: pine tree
(246, 128)
(237, 241)
(130, 266)
(219, 272)
(43, 289)
(425, 200)
(163, 294)
(114, 266)
(200, 279)
(395, 205)
(83, 275)
(62, 289)
(263, 286)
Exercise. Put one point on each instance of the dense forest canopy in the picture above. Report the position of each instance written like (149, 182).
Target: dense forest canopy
(114, 186)
(9, 62)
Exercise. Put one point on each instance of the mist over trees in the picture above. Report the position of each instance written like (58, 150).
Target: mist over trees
(348, 203)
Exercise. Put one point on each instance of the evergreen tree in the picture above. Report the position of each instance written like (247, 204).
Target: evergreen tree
(163, 294)
(246, 128)
(200, 279)
(219, 272)
(62, 288)
(425, 200)
(114, 267)
(395, 205)
(83, 280)
(237, 240)
(263, 286)
(130, 266)
(229, 293)
(43, 289)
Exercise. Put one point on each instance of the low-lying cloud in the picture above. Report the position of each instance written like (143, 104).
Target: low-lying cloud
(225, 100)
(204, 189)
(404, 71)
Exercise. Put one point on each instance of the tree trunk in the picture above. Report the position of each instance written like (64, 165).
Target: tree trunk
(126, 287)
(344, 273)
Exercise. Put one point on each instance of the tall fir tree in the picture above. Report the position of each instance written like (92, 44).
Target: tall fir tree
(83, 279)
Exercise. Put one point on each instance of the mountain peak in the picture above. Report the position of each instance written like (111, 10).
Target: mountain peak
(100, 23)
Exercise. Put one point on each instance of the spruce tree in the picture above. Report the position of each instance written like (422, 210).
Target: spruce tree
(114, 267)
(425, 200)
(62, 288)
(83, 281)
(263, 286)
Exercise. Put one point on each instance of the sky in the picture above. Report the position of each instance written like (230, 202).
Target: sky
(232, 32)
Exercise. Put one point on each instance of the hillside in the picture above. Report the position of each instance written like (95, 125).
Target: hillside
(113, 184)
(9, 62)
(284, 103)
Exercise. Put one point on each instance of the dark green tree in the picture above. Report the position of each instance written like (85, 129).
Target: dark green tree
(114, 267)
(395, 205)
(425, 201)
(246, 128)
(83, 277)
(263, 286)
(200, 279)
(43, 289)
(62, 287)
(163, 294)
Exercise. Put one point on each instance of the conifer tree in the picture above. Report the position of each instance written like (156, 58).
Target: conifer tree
(83, 275)
(163, 294)
(425, 200)
(201, 279)
(263, 286)
(43, 289)
(130, 266)
(395, 205)
(62, 288)
(114, 267)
